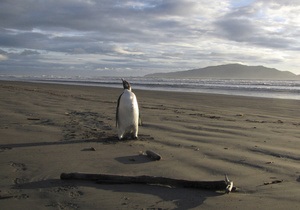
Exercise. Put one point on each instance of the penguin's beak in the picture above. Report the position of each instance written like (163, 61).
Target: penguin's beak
(126, 84)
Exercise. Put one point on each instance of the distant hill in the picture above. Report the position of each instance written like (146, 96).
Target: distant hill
(231, 71)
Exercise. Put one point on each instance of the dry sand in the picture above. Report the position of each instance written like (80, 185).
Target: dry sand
(48, 129)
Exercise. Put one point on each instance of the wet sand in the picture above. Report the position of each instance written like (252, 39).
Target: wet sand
(48, 129)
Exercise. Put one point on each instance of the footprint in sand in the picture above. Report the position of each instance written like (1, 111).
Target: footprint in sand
(75, 194)
(18, 166)
(21, 196)
(2, 149)
(64, 188)
(63, 205)
(84, 125)
(72, 190)
(19, 181)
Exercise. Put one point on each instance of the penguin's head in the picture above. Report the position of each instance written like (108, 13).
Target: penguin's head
(126, 85)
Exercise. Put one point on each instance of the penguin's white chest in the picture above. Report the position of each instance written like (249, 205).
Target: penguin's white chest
(128, 103)
(128, 114)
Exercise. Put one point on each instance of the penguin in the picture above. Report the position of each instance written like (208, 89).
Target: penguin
(127, 113)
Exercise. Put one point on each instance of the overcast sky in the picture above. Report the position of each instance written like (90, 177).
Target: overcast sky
(136, 37)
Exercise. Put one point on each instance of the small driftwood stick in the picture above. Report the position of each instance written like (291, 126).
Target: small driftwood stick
(6, 196)
(273, 182)
(151, 180)
(33, 118)
(153, 155)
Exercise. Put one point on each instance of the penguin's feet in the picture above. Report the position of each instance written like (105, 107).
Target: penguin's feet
(128, 136)
(134, 135)
(120, 137)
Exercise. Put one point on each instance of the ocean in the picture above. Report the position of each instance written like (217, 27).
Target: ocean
(283, 89)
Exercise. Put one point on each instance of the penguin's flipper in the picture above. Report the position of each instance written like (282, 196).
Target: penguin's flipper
(140, 120)
(117, 111)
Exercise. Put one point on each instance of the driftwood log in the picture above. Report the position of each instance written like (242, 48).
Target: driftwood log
(222, 185)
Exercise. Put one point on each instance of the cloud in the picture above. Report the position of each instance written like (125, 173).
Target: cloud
(3, 57)
(29, 52)
(127, 51)
(152, 35)
(262, 23)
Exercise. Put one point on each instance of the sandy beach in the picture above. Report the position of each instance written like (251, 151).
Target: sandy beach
(49, 129)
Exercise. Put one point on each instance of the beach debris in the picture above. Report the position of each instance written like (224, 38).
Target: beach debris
(222, 185)
(214, 117)
(3, 148)
(6, 196)
(273, 182)
(153, 155)
(195, 148)
(89, 149)
(229, 184)
(33, 118)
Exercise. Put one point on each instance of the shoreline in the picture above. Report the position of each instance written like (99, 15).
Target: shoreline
(257, 89)
(48, 129)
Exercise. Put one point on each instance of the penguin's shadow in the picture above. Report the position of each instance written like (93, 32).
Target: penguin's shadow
(133, 159)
